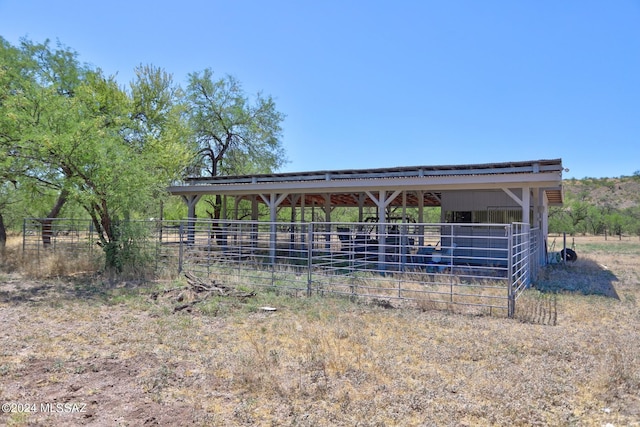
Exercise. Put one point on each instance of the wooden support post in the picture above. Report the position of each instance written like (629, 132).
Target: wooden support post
(191, 201)
(273, 201)
(382, 201)
(327, 218)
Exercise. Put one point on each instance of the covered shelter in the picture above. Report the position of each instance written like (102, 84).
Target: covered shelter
(519, 191)
(492, 230)
(508, 192)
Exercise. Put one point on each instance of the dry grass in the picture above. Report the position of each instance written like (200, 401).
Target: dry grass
(48, 263)
(325, 361)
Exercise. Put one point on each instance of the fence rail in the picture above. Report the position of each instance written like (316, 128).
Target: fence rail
(483, 267)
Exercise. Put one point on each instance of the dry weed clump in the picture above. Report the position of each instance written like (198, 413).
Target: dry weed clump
(58, 264)
(46, 262)
(537, 307)
(10, 256)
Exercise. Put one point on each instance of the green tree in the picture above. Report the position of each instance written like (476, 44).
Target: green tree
(39, 81)
(235, 134)
(570, 218)
(121, 158)
(70, 134)
(595, 220)
(159, 122)
(633, 215)
(8, 72)
(578, 211)
(615, 223)
(560, 221)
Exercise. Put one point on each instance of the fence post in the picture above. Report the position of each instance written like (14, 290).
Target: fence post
(510, 299)
(273, 244)
(450, 250)
(309, 257)
(91, 238)
(209, 244)
(180, 246)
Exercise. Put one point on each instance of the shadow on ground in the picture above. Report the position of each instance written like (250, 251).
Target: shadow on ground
(15, 289)
(584, 276)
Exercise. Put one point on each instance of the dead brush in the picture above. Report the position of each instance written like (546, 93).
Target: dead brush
(58, 264)
(427, 304)
(47, 262)
(537, 308)
(10, 254)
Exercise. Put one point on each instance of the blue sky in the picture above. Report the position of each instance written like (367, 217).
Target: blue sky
(368, 84)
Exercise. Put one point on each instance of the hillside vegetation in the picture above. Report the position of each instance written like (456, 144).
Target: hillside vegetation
(619, 193)
(599, 206)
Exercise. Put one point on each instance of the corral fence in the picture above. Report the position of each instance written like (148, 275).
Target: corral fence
(484, 267)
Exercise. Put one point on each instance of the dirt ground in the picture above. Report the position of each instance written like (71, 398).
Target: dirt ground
(80, 351)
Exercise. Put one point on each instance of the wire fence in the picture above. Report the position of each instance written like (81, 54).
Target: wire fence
(484, 267)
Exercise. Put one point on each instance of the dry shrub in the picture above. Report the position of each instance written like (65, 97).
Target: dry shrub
(46, 262)
(11, 255)
(427, 304)
(537, 307)
(73, 260)
(58, 264)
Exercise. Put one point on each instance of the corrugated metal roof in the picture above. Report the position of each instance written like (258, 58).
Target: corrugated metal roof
(345, 186)
(393, 172)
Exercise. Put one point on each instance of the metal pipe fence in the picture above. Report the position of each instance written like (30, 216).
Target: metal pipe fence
(486, 266)
(483, 267)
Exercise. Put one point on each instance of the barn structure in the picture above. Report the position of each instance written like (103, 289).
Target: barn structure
(479, 205)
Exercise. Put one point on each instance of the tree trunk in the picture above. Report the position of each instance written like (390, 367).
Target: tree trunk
(111, 243)
(47, 223)
(3, 236)
(217, 227)
(217, 233)
(108, 237)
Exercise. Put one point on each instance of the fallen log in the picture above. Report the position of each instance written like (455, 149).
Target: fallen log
(189, 305)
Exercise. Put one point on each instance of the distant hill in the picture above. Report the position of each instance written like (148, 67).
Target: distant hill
(616, 193)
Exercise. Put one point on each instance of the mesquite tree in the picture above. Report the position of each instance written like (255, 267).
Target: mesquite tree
(235, 134)
(72, 133)
(36, 80)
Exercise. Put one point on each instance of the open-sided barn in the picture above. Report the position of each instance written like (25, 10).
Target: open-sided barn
(492, 215)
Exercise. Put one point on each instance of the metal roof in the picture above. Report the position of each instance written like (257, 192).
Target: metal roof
(345, 186)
